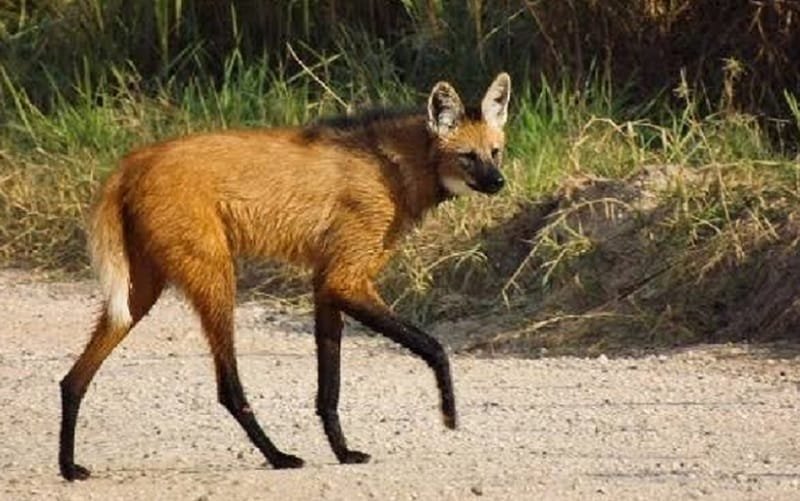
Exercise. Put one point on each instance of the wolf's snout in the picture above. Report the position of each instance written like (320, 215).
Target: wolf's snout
(491, 182)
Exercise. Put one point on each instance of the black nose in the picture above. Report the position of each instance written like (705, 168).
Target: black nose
(495, 183)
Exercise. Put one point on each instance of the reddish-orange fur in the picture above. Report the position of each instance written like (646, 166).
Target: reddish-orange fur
(333, 198)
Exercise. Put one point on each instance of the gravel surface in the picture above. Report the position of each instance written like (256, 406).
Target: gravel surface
(715, 422)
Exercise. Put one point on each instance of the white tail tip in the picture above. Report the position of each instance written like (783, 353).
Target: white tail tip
(119, 314)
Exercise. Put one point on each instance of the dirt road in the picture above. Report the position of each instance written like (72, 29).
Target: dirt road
(714, 422)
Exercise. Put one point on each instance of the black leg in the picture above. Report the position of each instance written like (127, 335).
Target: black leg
(146, 285)
(70, 404)
(73, 387)
(380, 319)
(231, 396)
(214, 298)
(328, 335)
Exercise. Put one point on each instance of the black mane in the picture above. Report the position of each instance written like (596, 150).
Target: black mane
(366, 117)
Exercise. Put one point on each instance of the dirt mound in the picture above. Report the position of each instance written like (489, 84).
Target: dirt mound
(669, 257)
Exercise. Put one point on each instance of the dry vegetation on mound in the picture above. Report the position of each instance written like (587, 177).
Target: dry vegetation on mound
(618, 278)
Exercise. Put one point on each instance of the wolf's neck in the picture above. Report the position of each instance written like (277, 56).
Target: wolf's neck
(407, 147)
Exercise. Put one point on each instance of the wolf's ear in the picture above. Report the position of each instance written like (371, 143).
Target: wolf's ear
(494, 106)
(445, 109)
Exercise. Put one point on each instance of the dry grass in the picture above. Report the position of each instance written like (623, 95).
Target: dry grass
(41, 209)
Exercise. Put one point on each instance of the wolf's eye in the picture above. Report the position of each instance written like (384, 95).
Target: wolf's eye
(496, 154)
(469, 158)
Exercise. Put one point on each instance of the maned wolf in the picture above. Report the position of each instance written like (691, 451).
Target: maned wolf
(336, 196)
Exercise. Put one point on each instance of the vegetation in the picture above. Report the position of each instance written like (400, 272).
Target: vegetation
(652, 150)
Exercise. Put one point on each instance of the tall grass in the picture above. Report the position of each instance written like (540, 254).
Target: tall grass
(642, 45)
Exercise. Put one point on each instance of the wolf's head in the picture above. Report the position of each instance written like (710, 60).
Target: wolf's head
(470, 145)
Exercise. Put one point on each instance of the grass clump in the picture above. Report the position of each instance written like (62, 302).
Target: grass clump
(681, 243)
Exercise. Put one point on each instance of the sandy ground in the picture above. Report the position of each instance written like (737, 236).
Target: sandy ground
(712, 422)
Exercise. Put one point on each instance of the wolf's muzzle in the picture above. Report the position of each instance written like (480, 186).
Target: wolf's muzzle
(490, 181)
